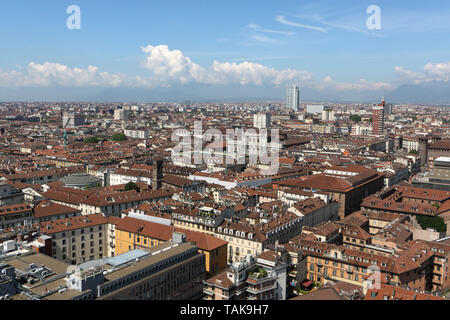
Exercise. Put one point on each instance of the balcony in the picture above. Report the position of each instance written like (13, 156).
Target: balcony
(261, 290)
(208, 292)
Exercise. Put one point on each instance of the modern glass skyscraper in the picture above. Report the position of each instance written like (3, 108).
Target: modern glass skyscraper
(293, 97)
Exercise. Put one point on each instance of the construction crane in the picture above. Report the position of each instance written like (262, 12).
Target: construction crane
(65, 131)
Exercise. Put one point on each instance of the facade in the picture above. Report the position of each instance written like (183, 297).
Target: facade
(9, 195)
(172, 271)
(77, 239)
(328, 114)
(132, 234)
(136, 133)
(378, 120)
(347, 185)
(252, 239)
(314, 211)
(16, 215)
(114, 203)
(293, 97)
(263, 278)
(262, 121)
(121, 115)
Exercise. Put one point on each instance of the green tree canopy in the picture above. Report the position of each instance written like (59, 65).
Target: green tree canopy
(132, 186)
(355, 118)
(436, 223)
(91, 140)
(119, 137)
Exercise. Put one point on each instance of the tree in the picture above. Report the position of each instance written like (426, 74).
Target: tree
(355, 118)
(119, 137)
(436, 223)
(132, 186)
(414, 152)
(91, 140)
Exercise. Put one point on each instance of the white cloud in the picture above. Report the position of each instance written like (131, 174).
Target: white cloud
(282, 20)
(361, 85)
(49, 74)
(431, 72)
(264, 39)
(171, 66)
(168, 67)
(258, 28)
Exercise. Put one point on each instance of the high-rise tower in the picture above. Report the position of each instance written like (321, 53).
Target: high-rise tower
(293, 97)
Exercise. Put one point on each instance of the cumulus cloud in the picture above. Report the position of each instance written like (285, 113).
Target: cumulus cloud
(362, 85)
(166, 67)
(171, 66)
(50, 74)
(431, 72)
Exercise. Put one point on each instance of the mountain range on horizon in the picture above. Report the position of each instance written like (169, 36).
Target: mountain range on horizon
(428, 93)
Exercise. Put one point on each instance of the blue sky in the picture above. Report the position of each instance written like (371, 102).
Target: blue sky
(326, 43)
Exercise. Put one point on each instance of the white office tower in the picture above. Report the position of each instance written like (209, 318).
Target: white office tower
(327, 114)
(120, 114)
(262, 120)
(293, 97)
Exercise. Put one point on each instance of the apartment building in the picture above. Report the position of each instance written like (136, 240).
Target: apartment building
(348, 185)
(255, 278)
(112, 204)
(16, 215)
(314, 210)
(47, 210)
(77, 239)
(44, 176)
(124, 176)
(132, 234)
(406, 200)
(9, 194)
(245, 238)
(202, 219)
(415, 267)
